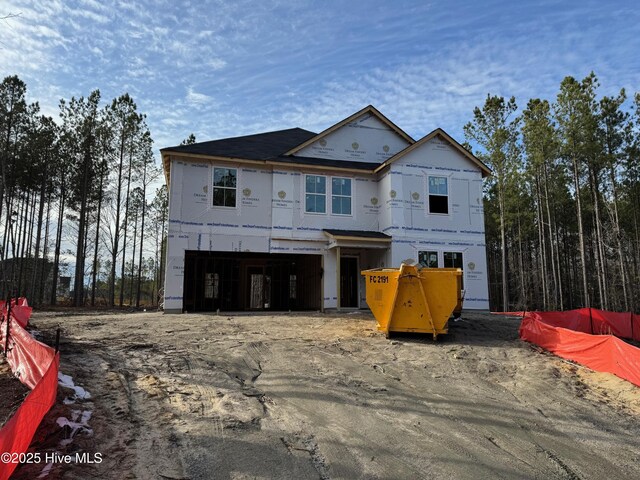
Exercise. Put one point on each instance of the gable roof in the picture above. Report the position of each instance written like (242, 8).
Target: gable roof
(275, 148)
(368, 109)
(486, 171)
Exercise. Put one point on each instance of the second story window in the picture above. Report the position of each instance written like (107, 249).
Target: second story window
(341, 196)
(315, 198)
(438, 195)
(224, 187)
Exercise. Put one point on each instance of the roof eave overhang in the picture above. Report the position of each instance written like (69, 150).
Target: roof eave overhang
(349, 241)
(368, 244)
(484, 170)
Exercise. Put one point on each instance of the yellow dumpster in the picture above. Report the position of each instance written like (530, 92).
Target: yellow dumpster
(412, 300)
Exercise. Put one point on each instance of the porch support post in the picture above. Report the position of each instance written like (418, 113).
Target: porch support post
(338, 275)
(322, 280)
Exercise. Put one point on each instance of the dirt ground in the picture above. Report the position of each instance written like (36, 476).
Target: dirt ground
(13, 392)
(327, 396)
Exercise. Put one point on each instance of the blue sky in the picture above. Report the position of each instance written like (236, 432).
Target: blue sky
(228, 68)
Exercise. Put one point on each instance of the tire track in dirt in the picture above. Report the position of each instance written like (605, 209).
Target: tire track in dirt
(463, 445)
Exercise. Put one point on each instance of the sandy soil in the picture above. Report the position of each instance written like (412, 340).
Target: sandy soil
(327, 396)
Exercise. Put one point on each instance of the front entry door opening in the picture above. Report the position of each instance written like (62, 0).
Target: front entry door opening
(349, 279)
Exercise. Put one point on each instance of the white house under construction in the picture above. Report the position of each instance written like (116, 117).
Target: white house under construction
(286, 220)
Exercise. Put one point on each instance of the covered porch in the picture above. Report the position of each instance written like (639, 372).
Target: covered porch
(353, 251)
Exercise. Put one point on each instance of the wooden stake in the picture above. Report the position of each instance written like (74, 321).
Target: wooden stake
(57, 339)
(6, 338)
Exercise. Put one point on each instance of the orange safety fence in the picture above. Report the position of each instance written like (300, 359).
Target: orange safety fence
(36, 365)
(569, 335)
(19, 308)
(593, 321)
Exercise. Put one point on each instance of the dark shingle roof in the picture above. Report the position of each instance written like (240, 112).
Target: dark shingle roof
(266, 146)
(358, 233)
(262, 146)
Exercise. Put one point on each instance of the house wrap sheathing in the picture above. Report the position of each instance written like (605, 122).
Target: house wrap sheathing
(286, 220)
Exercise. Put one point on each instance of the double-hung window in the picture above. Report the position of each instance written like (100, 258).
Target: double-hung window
(341, 196)
(224, 187)
(315, 198)
(438, 195)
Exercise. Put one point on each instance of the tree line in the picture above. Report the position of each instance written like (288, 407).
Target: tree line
(561, 208)
(76, 199)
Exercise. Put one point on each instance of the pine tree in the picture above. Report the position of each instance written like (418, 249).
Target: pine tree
(497, 136)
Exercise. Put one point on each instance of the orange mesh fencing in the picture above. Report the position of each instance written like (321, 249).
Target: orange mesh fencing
(19, 308)
(589, 337)
(36, 365)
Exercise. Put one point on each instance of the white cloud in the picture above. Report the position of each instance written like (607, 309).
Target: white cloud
(94, 5)
(217, 63)
(198, 99)
(281, 64)
(89, 15)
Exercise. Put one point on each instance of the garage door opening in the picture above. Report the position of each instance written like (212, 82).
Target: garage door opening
(232, 281)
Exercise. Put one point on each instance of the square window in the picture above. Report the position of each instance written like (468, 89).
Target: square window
(438, 186)
(316, 184)
(341, 186)
(315, 203)
(438, 204)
